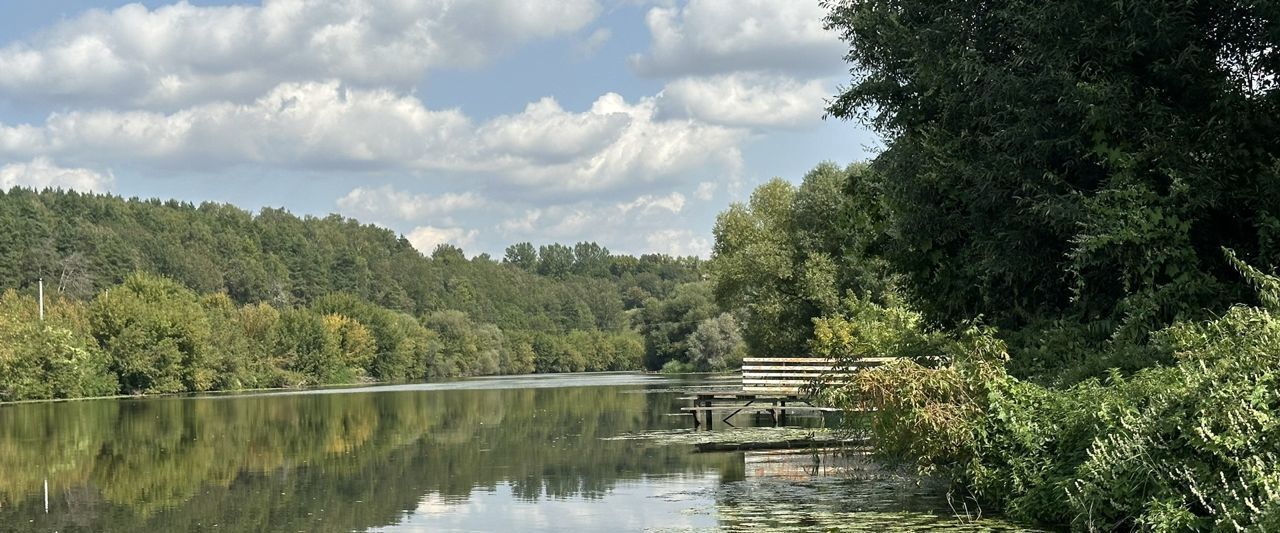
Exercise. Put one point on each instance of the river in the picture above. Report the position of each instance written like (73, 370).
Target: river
(527, 453)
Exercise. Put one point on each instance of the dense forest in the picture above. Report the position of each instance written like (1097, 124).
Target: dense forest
(1070, 237)
(145, 296)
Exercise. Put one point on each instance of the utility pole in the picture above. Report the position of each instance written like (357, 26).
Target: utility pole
(40, 283)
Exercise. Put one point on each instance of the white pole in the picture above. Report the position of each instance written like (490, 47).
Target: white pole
(46, 495)
(41, 282)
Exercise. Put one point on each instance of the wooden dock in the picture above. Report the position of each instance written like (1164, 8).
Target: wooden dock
(772, 385)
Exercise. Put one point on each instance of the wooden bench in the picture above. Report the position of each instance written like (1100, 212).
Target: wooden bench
(794, 374)
(774, 385)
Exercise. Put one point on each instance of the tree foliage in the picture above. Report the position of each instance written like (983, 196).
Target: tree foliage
(1076, 160)
(1057, 186)
(155, 334)
(717, 344)
(211, 297)
(790, 254)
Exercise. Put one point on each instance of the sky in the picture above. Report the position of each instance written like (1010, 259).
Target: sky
(479, 123)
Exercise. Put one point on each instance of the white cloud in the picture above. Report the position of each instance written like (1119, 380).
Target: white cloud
(611, 145)
(746, 100)
(42, 173)
(181, 54)
(426, 238)
(544, 132)
(328, 126)
(577, 221)
(624, 227)
(590, 46)
(706, 190)
(717, 36)
(373, 203)
(649, 204)
(310, 125)
(678, 242)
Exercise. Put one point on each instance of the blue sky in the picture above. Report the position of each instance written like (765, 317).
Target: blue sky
(481, 123)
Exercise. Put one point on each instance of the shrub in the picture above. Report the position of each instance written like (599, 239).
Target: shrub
(309, 347)
(155, 334)
(1194, 445)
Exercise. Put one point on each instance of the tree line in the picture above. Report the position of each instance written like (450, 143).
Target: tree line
(156, 297)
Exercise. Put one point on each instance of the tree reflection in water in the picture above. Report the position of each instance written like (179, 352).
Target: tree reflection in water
(322, 462)
(479, 454)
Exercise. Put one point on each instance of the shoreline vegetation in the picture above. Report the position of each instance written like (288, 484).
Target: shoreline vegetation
(326, 386)
(1071, 239)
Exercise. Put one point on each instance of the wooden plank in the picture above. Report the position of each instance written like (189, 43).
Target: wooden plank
(746, 368)
(877, 359)
(759, 375)
(776, 381)
(761, 407)
(757, 360)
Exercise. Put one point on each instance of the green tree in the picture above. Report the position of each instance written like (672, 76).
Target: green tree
(590, 259)
(717, 344)
(309, 349)
(1072, 160)
(667, 324)
(466, 348)
(522, 255)
(555, 260)
(54, 358)
(791, 253)
(155, 334)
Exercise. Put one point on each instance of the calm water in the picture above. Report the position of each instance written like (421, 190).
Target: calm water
(500, 454)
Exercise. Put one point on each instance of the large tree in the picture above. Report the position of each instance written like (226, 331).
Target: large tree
(1071, 159)
(791, 253)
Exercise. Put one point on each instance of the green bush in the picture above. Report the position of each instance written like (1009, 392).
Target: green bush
(1193, 445)
(155, 334)
(40, 361)
(1196, 445)
(309, 348)
(54, 358)
(676, 367)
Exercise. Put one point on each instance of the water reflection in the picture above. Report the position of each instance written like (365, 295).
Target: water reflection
(481, 454)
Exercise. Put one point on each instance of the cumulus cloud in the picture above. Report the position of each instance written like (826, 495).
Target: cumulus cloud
(574, 221)
(650, 204)
(617, 143)
(316, 125)
(633, 226)
(327, 126)
(40, 173)
(546, 133)
(386, 201)
(716, 37)
(181, 54)
(678, 242)
(747, 100)
(427, 238)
